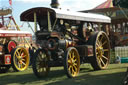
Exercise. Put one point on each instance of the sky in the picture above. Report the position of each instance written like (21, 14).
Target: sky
(19, 6)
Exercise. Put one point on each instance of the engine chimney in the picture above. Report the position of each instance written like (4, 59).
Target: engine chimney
(54, 4)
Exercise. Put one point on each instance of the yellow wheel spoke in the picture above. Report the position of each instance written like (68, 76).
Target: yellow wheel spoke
(97, 44)
(101, 38)
(69, 68)
(106, 49)
(18, 64)
(69, 61)
(98, 58)
(75, 60)
(23, 63)
(104, 57)
(73, 55)
(21, 66)
(72, 70)
(18, 53)
(75, 67)
(24, 55)
(75, 64)
(96, 53)
(102, 61)
(70, 55)
(104, 42)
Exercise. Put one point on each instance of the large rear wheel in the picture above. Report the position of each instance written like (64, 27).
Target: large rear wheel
(72, 62)
(101, 50)
(40, 63)
(20, 59)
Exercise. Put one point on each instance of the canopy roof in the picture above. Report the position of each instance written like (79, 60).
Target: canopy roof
(63, 14)
(107, 6)
(11, 33)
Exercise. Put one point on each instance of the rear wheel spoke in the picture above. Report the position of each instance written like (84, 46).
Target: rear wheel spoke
(102, 61)
(104, 57)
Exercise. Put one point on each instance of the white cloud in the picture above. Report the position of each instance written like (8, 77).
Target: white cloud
(80, 4)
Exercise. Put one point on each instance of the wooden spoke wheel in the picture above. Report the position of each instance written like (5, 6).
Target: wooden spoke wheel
(72, 62)
(40, 63)
(101, 50)
(20, 59)
(4, 69)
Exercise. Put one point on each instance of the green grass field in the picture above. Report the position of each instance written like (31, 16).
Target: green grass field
(113, 75)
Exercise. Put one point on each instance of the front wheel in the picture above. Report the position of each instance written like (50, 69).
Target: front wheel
(20, 59)
(72, 62)
(40, 63)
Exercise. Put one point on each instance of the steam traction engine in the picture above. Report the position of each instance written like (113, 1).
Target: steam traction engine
(68, 39)
(12, 43)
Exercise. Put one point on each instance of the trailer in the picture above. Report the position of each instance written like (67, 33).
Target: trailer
(68, 39)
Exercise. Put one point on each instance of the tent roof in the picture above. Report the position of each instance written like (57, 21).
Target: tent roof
(106, 4)
(104, 7)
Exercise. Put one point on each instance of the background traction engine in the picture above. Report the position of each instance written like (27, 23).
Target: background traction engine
(12, 53)
(13, 43)
(65, 39)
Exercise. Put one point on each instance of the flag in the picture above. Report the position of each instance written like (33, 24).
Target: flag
(10, 2)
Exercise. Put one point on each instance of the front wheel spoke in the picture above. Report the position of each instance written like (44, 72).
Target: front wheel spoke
(69, 68)
(75, 60)
(75, 68)
(69, 61)
(74, 64)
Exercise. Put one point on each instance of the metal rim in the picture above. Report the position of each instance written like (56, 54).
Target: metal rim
(102, 50)
(21, 59)
(41, 64)
(73, 62)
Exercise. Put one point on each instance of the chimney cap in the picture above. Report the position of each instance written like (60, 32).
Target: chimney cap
(54, 4)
